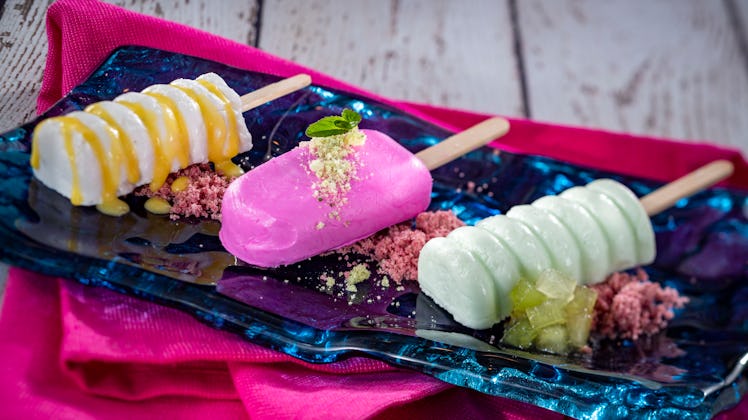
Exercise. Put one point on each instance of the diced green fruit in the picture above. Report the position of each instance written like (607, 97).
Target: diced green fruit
(556, 285)
(524, 295)
(583, 301)
(579, 315)
(553, 339)
(550, 312)
(519, 333)
(579, 329)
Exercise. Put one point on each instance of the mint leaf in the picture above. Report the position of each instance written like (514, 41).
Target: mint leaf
(351, 116)
(343, 124)
(334, 125)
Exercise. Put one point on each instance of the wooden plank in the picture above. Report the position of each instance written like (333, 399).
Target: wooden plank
(668, 68)
(441, 52)
(23, 45)
(232, 19)
(23, 41)
(740, 9)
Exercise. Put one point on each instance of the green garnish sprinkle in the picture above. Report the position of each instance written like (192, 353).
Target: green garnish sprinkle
(334, 125)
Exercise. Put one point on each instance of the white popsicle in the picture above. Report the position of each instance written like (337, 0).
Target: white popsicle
(140, 137)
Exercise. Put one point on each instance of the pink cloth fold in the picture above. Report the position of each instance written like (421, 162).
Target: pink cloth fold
(71, 351)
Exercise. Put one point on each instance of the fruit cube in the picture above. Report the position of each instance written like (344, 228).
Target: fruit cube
(519, 333)
(579, 315)
(553, 339)
(524, 295)
(550, 312)
(556, 285)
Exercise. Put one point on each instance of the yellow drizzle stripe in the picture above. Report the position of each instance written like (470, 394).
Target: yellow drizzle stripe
(176, 127)
(34, 159)
(161, 162)
(215, 125)
(232, 136)
(109, 161)
(128, 147)
(75, 189)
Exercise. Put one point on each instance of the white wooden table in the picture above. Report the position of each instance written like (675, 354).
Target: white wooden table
(671, 68)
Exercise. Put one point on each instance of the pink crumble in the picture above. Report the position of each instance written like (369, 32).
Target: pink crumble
(202, 197)
(629, 306)
(397, 247)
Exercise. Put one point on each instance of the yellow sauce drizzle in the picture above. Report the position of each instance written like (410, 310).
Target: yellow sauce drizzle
(229, 168)
(215, 125)
(114, 207)
(128, 147)
(161, 162)
(34, 159)
(157, 205)
(232, 137)
(109, 164)
(179, 141)
(222, 144)
(180, 184)
(75, 188)
(231, 149)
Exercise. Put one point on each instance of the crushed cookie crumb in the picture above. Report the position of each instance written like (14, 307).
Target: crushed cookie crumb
(396, 248)
(631, 305)
(195, 191)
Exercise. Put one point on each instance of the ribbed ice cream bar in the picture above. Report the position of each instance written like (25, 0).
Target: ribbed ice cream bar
(270, 216)
(139, 138)
(586, 233)
(112, 147)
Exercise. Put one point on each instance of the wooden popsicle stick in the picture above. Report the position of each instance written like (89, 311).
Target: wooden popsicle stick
(685, 186)
(466, 141)
(275, 90)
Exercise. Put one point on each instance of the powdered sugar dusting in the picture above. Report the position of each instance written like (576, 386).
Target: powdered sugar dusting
(629, 306)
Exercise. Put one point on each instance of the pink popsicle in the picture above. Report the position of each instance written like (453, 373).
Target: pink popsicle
(270, 216)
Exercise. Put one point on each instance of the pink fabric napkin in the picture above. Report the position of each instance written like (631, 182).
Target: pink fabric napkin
(71, 351)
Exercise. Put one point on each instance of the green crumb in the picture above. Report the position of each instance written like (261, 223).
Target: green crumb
(385, 282)
(357, 274)
(333, 163)
(320, 225)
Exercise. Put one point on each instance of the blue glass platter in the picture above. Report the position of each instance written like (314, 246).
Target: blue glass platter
(694, 369)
